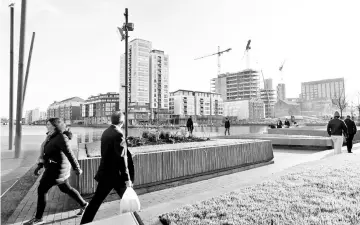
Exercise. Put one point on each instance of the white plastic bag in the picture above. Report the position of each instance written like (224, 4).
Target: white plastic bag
(129, 202)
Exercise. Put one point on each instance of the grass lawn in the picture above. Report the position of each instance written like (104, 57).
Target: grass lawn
(324, 194)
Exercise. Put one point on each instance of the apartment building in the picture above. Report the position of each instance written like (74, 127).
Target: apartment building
(205, 107)
(322, 89)
(69, 110)
(138, 74)
(159, 83)
(98, 109)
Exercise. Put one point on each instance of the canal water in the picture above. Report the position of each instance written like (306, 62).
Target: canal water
(89, 134)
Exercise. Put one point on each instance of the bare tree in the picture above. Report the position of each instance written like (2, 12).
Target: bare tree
(340, 102)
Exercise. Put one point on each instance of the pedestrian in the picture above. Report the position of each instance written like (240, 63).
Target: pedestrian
(190, 125)
(57, 158)
(227, 126)
(279, 123)
(351, 128)
(336, 128)
(287, 123)
(112, 172)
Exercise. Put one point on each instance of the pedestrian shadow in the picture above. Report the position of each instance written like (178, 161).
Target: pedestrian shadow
(61, 220)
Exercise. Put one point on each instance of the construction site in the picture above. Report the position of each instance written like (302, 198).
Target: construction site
(244, 85)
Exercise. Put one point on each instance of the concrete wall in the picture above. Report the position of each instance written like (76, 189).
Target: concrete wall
(154, 168)
(310, 132)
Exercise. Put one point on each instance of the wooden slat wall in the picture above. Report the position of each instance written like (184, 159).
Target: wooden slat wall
(161, 166)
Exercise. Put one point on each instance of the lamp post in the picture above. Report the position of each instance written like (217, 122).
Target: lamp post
(126, 28)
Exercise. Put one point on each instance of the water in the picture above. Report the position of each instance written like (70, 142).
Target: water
(89, 134)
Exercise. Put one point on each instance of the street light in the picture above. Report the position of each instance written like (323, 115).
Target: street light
(123, 31)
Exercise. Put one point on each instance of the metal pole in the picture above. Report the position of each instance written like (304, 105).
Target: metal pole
(126, 73)
(20, 80)
(11, 98)
(28, 67)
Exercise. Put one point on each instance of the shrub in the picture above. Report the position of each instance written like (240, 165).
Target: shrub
(152, 137)
(162, 135)
(145, 134)
(167, 135)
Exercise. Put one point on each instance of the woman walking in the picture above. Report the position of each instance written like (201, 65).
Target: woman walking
(57, 158)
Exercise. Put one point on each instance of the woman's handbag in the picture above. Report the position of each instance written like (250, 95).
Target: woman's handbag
(129, 201)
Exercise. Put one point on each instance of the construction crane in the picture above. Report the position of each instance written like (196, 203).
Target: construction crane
(246, 52)
(280, 69)
(219, 53)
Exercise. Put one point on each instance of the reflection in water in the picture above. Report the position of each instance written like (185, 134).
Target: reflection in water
(88, 134)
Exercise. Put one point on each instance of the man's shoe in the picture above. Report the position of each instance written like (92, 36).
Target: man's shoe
(82, 210)
(34, 221)
(350, 152)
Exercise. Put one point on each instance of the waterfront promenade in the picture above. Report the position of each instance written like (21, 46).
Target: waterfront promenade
(159, 202)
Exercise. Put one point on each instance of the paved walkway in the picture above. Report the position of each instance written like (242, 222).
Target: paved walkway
(12, 169)
(159, 202)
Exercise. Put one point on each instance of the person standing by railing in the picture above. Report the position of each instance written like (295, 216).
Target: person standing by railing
(227, 126)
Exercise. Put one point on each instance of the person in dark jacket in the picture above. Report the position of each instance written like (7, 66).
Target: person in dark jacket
(279, 124)
(287, 123)
(227, 126)
(112, 172)
(336, 128)
(190, 125)
(57, 158)
(351, 128)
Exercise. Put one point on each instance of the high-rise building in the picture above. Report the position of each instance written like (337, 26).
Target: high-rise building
(28, 115)
(240, 85)
(159, 81)
(268, 84)
(35, 114)
(269, 99)
(138, 74)
(322, 89)
(43, 115)
(281, 91)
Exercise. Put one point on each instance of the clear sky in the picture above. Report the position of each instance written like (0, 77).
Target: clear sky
(77, 50)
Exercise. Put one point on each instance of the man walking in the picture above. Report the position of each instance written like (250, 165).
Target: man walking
(112, 172)
(336, 128)
(227, 126)
(190, 125)
(351, 128)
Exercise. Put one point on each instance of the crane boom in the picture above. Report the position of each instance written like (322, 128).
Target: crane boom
(217, 53)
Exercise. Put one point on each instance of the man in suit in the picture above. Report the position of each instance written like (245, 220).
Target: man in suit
(351, 127)
(112, 172)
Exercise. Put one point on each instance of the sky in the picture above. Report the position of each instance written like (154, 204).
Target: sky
(77, 49)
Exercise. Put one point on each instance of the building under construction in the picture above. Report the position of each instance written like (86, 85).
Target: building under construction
(235, 86)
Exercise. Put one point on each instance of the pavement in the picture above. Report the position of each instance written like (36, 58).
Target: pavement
(14, 168)
(156, 203)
